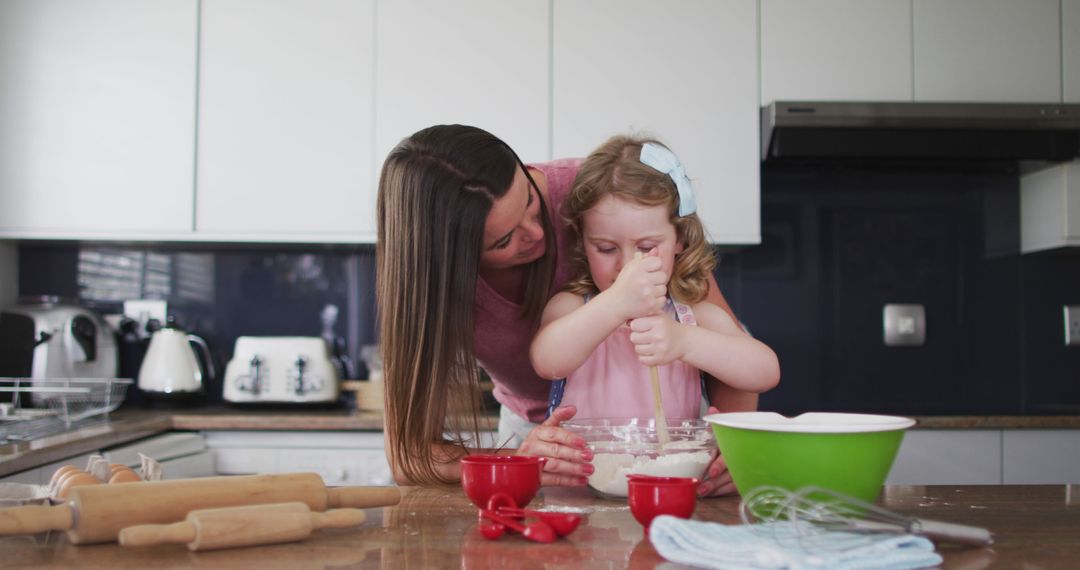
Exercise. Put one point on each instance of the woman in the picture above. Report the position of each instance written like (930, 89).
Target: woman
(469, 250)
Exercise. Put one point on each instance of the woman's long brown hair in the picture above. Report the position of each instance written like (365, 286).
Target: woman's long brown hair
(435, 192)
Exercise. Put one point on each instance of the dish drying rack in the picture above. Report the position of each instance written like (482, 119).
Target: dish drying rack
(58, 403)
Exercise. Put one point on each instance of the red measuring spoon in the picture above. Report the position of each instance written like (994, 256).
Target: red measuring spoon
(491, 530)
(562, 523)
(538, 531)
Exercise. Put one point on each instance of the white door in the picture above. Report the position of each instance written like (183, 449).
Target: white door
(987, 50)
(97, 117)
(685, 72)
(835, 50)
(285, 120)
(476, 62)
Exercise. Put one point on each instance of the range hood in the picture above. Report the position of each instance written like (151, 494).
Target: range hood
(802, 130)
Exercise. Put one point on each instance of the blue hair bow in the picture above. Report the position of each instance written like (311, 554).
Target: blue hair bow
(665, 161)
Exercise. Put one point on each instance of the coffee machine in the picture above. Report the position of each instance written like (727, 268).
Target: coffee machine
(46, 338)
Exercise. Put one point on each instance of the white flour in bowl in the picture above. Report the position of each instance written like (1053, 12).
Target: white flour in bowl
(612, 468)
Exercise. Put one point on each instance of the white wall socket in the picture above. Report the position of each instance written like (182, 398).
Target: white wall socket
(142, 310)
(904, 324)
(1072, 325)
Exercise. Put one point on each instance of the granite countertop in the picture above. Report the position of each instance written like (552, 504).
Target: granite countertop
(1033, 527)
(130, 425)
(126, 426)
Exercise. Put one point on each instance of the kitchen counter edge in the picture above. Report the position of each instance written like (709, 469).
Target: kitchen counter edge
(131, 425)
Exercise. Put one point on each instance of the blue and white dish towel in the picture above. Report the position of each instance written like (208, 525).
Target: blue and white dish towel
(786, 546)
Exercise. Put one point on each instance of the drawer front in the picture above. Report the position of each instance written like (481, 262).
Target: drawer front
(342, 466)
(1041, 457)
(948, 457)
(245, 461)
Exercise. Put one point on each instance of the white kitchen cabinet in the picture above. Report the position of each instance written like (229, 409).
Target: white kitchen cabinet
(1070, 50)
(285, 120)
(835, 50)
(181, 455)
(28, 477)
(1050, 208)
(484, 63)
(1041, 457)
(97, 117)
(685, 72)
(948, 457)
(43, 474)
(987, 50)
(341, 458)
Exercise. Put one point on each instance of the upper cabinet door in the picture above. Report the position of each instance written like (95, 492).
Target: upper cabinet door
(1070, 42)
(476, 62)
(685, 72)
(835, 50)
(97, 117)
(285, 120)
(987, 50)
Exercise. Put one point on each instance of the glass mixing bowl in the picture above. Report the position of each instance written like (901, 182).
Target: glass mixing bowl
(624, 446)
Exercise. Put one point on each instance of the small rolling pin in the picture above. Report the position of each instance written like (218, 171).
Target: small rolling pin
(97, 513)
(231, 527)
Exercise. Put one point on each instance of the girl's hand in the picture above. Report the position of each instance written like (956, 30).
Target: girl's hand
(656, 339)
(568, 463)
(641, 287)
(717, 481)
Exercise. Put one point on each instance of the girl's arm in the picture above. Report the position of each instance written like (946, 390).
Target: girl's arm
(723, 397)
(716, 346)
(719, 347)
(570, 330)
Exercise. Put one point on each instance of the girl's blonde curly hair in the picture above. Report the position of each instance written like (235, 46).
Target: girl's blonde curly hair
(615, 169)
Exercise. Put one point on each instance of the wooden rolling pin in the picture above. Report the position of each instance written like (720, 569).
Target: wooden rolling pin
(231, 527)
(97, 513)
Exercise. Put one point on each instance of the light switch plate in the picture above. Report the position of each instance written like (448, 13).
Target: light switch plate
(904, 324)
(1072, 325)
(142, 310)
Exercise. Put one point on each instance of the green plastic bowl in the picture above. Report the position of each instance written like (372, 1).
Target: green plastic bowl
(847, 453)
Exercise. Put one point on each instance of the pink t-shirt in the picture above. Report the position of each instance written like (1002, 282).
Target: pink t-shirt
(502, 337)
(612, 382)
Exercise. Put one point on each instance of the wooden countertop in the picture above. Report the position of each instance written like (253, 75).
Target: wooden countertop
(130, 425)
(1034, 527)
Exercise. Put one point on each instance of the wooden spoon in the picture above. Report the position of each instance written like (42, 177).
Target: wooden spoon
(658, 406)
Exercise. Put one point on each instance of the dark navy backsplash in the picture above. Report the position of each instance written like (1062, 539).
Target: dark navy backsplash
(838, 244)
(841, 242)
(219, 292)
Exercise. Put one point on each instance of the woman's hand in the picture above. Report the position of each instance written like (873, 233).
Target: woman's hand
(568, 460)
(640, 289)
(656, 339)
(717, 481)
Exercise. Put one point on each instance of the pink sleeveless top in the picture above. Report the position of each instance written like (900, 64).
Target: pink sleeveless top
(502, 337)
(612, 383)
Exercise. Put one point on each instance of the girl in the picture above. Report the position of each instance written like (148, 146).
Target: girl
(614, 319)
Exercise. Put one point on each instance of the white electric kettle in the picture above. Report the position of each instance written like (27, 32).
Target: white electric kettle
(170, 367)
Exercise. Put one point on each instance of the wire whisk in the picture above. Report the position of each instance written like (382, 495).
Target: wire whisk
(830, 510)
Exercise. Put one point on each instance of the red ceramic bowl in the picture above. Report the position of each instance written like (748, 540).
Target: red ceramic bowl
(515, 475)
(650, 497)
